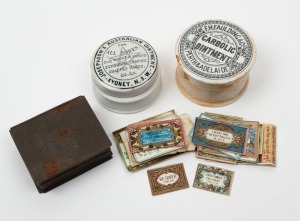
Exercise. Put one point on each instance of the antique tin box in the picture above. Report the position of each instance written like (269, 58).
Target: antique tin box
(61, 143)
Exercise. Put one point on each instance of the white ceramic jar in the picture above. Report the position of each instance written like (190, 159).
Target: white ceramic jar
(214, 60)
(125, 74)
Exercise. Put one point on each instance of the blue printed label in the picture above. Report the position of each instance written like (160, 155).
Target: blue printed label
(216, 135)
(156, 136)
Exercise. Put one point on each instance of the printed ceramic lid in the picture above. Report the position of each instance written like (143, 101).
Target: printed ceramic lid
(215, 51)
(124, 66)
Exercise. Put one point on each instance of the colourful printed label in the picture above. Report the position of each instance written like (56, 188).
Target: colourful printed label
(167, 179)
(156, 136)
(213, 179)
(218, 135)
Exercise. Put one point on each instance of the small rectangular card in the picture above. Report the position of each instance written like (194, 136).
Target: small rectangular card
(251, 155)
(137, 167)
(213, 179)
(253, 141)
(211, 157)
(261, 139)
(223, 117)
(154, 135)
(152, 154)
(167, 179)
(213, 154)
(268, 156)
(217, 135)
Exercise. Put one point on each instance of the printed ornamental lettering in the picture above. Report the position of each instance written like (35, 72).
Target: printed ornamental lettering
(215, 49)
(125, 62)
(167, 178)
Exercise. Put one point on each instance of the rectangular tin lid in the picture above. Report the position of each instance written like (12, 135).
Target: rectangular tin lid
(59, 140)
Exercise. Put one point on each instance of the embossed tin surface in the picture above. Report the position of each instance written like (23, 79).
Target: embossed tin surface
(61, 143)
(214, 60)
(125, 74)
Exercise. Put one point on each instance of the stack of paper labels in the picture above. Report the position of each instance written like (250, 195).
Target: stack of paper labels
(231, 139)
(155, 139)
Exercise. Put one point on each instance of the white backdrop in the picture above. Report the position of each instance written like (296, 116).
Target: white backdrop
(45, 52)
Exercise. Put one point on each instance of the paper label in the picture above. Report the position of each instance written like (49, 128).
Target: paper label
(269, 145)
(220, 136)
(212, 157)
(167, 178)
(213, 179)
(151, 154)
(156, 136)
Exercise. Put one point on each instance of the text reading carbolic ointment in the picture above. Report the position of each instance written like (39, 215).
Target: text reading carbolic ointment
(125, 62)
(215, 49)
